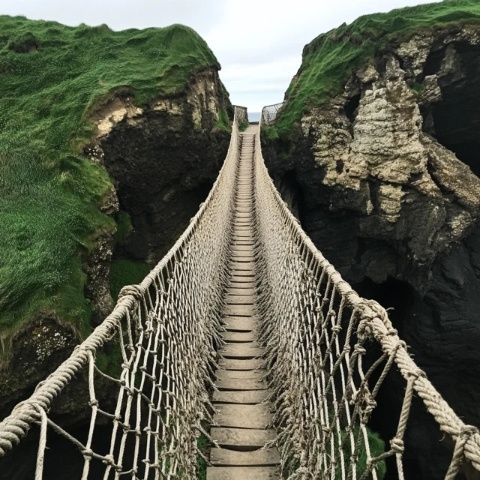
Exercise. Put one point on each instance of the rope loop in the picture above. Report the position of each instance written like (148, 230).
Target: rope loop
(136, 291)
(397, 445)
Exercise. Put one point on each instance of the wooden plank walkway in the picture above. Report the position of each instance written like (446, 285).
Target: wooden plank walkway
(242, 420)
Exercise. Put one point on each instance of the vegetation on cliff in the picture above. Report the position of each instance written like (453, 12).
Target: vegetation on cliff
(53, 78)
(329, 60)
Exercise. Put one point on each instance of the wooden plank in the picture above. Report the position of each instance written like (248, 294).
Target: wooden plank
(241, 364)
(243, 473)
(241, 374)
(240, 324)
(242, 416)
(239, 300)
(241, 350)
(240, 384)
(243, 397)
(236, 283)
(239, 310)
(239, 336)
(264, 456)
(242, 437)
(241, 291)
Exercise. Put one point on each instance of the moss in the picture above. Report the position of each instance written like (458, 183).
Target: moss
(330, 59)
(53, 78)
(124, 226)
(418, 88)
(223, 123)
(377, 447)
(126, 272)
(203, 445)
(270, 132)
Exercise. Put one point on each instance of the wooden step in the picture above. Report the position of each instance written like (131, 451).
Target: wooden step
(241, 324)
(243, 397)
(242, 416)
(239, 310)
(224, 457)
(236, 384)
(242, 437)
(241, 364)
(243, 473)
(241, 291)
(241, 350)
(239, 300)
(240, 337)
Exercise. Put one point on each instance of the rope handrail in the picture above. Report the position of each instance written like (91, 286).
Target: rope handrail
(372, 323)
(138, 319)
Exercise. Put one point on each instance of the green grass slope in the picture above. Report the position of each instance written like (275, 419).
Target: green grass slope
(51, 79)
(329, 59)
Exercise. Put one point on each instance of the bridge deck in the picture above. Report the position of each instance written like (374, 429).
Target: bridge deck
(242, 420)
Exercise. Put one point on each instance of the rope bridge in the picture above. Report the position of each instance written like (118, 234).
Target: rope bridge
(148, 369)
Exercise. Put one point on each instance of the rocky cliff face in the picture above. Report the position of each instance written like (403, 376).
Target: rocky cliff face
(384, 178)
(163, 160)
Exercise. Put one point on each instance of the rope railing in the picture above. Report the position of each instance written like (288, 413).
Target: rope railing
(164, 334)
(270, 112)
(329, 352)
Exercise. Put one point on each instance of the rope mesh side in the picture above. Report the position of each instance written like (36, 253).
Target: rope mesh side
(164, 334)
(270, 112)
(329, 352)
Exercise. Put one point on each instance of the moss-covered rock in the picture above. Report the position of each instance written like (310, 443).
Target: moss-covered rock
(67, 94)
(377, 148)
(330, 59)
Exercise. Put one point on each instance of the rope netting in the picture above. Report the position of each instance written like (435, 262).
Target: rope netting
(270, 112)
(329, 352)
(146, 412)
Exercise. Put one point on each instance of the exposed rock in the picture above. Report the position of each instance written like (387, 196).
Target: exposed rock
(39, 347)
(385, 183)
(163, 160)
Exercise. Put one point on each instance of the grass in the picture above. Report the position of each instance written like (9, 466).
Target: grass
(53, 78)
(331, 58)
(377, 447)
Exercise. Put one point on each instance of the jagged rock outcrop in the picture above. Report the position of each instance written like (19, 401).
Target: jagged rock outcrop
(163, 160)
(384, 179)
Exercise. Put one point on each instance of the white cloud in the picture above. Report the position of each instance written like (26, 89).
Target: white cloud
(258, 42)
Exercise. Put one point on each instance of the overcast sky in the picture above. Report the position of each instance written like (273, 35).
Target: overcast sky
(258, 42)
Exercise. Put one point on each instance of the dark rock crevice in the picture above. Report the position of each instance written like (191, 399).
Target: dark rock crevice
(455, 115)
(162, 173)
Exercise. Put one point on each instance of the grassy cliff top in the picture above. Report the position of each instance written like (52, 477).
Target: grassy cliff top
(329, 60)
(51, 79)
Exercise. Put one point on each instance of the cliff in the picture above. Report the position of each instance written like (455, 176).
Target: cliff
(109, 141)
(377, 150)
